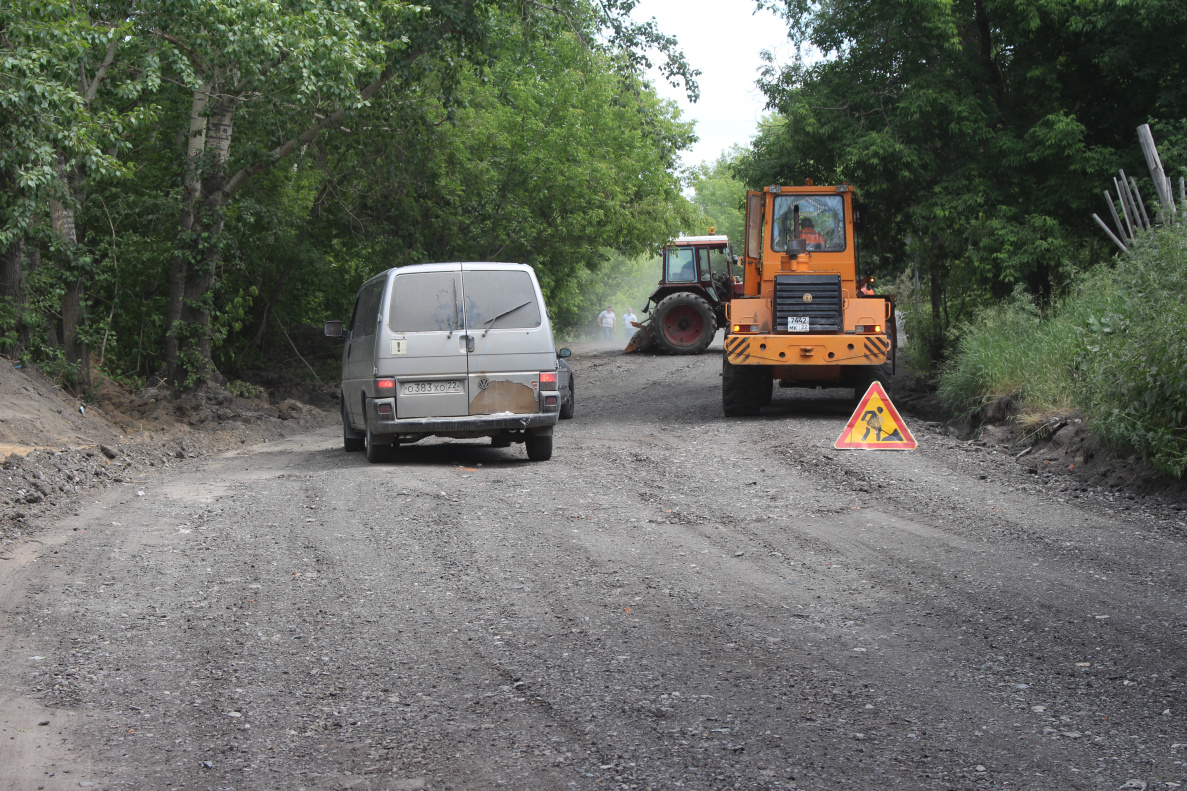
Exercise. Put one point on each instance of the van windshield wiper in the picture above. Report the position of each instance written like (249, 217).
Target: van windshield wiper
(501, 315)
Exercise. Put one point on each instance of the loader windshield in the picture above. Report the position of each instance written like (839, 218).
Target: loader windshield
(821, 222)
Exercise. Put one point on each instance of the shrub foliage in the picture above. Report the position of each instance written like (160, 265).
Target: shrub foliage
(1114, 347)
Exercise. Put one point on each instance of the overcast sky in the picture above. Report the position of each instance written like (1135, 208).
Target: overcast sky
(722, 38)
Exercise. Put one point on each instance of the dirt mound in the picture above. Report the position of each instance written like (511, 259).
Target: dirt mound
(281, 386)
(34, 412)
(55, 447)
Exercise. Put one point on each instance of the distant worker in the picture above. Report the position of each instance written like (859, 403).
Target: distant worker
(628, 320)
(810, 235)
(867, 287)
(607, 320)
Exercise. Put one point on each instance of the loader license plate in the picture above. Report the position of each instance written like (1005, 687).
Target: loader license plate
(418, 388)
(797, 323)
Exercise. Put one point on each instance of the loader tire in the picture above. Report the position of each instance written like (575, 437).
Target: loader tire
(742, 389)
(683, 323)
(865, 376)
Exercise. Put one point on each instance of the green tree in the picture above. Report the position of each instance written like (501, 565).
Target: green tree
(978, 131)
(58, 76)
(720, 196)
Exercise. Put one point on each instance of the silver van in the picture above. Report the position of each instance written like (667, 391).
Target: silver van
(449, 350)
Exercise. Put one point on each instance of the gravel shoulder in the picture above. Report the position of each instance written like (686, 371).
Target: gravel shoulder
(676, 600)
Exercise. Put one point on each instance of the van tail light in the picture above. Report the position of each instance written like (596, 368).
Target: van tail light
(871, 328)
(385, 384)
(548, 380)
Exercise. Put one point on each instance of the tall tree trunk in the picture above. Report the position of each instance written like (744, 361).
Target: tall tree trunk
(937, 303)
(73, 307)
(12, 290)
(187, 226)
(200, 282)
(314, 216)
(993, 75)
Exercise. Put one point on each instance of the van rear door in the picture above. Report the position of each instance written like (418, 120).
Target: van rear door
(359, 356)
(427, 347)
(512, 341)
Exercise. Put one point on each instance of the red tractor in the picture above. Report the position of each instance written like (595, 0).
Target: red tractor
(689, 303)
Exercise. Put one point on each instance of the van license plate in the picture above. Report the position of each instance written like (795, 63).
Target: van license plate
(419, 388)
(797, 324)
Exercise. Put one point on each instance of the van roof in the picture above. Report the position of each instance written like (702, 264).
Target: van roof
(453, 266)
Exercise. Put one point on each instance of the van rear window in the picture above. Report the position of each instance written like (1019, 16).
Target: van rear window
(500, 299)
(424, 302)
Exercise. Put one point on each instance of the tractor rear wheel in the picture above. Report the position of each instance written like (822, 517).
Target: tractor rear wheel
(742, 389)
(683, 323)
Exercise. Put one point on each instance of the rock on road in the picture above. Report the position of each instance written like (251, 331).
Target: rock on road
(676, 600)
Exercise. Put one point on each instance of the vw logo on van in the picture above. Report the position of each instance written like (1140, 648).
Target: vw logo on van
(483, 383)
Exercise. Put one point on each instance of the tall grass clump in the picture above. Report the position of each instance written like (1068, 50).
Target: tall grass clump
(1010, 353)
(1114, 347)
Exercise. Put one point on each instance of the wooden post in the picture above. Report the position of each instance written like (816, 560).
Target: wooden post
(1161, 185)
(1124, 208)
(1141, 203)
(1130, 202)
(1113, 211)
(1105, 228)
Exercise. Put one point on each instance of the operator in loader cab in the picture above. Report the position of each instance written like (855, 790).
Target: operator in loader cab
(810, 235)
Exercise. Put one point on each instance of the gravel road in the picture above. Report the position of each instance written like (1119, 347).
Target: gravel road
(676, 601)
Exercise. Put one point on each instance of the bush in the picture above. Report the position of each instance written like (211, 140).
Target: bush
(1115, 347)
(1135, 366)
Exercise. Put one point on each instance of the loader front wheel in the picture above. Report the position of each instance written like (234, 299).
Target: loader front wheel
(683, 323)
(742, 389)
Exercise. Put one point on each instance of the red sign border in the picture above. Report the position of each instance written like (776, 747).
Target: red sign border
(908, 442)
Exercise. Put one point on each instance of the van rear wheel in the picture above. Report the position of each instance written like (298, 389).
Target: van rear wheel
(377, 452)
(539, 447)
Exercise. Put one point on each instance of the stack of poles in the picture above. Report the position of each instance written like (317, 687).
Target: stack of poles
(1133, 208)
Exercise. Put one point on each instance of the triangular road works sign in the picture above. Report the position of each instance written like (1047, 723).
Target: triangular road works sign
(876, 425)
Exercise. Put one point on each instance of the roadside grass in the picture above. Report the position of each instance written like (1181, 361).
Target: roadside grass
(1115, 348)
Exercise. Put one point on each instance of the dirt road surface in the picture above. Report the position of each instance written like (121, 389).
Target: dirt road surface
(676, 601)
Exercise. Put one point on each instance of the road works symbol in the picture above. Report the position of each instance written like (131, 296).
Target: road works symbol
(876, 425)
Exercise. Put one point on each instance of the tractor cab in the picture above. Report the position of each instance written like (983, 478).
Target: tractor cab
(704, 261)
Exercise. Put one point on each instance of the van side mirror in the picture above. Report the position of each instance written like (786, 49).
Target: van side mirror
(333, 329)
(563, 352)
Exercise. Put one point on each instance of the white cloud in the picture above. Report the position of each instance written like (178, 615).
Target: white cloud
(724, 39)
